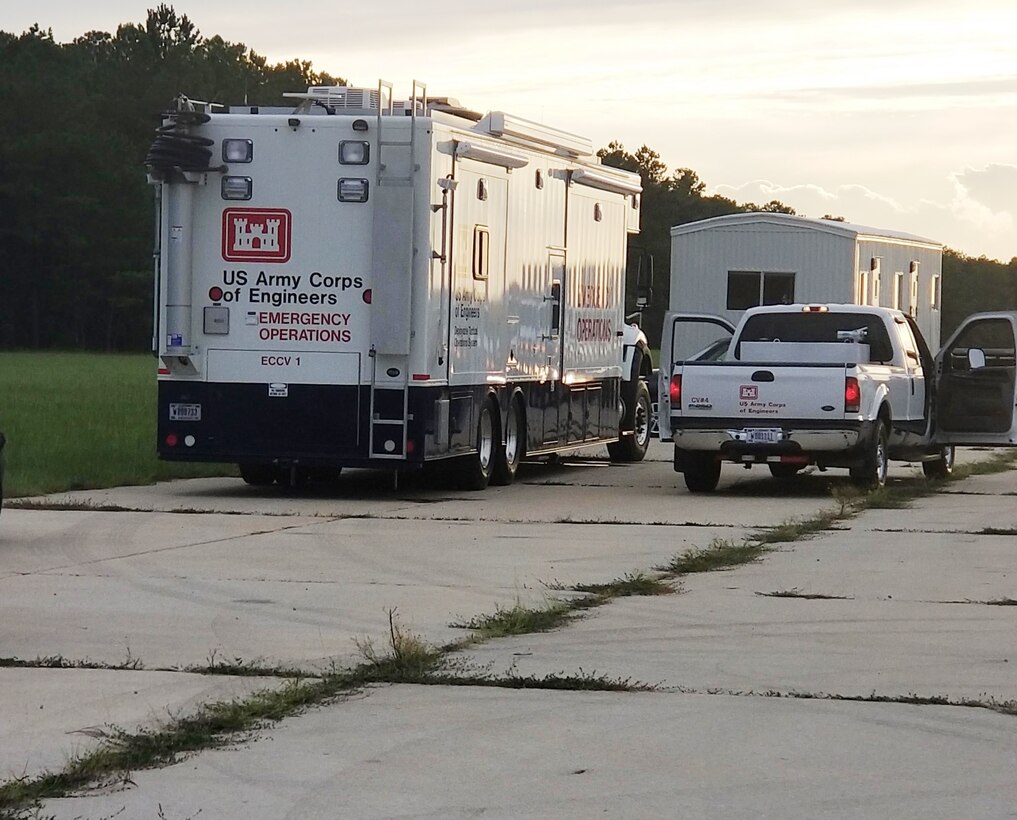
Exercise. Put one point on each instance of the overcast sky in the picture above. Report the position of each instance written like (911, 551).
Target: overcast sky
(900, 114)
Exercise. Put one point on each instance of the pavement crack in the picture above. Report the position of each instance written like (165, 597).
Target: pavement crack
(1003, 707)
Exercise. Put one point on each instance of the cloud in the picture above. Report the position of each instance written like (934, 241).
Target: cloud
(994, 186)
(978, 214)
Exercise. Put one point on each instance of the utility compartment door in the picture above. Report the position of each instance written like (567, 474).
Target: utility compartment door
(976, 389)
(478, 273)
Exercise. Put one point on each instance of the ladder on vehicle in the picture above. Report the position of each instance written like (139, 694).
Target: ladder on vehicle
(395, 226)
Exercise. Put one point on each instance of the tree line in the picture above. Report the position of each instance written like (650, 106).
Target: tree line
(77, 231)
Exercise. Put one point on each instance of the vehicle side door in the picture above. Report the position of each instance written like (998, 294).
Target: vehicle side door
(976, 374)
(913, 419)
(687, 337)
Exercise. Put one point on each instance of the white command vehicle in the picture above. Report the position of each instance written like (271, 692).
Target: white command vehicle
(362, 282)
(839, 386)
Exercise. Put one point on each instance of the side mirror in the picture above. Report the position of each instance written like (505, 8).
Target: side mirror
(644, 280)
(976, 358)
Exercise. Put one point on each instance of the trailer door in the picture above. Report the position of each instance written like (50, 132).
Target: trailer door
(976, 390)
(551, 321)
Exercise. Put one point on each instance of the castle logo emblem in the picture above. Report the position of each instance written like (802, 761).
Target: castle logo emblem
(256, 234)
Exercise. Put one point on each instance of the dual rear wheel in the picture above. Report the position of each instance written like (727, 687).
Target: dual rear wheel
(494, 462)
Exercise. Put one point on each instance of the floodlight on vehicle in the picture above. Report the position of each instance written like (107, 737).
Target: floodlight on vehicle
(354, 152)
(237, 150)
(353, 190)
(236, 187)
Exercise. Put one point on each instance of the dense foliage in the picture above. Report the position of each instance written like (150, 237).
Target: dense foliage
(76, 237)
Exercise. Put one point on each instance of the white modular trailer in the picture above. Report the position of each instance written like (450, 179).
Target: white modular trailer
(357, 283)
(730, 263)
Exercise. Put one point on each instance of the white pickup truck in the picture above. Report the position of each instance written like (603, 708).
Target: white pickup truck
(835, 386)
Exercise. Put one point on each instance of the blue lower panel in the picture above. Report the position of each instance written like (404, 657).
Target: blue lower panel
(330, 425)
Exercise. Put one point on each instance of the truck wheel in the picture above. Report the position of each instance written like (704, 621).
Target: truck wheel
(783, 470)
(477, 468)
(258, 475)
(941, 467)
(507, 458)
(633, 447)
(702, 472)
(871, 474)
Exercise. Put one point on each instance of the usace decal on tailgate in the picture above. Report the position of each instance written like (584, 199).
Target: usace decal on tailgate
(256, 234)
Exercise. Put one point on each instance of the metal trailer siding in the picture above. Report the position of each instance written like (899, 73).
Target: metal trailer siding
(700, 262)
(897, 262)
(832, 262)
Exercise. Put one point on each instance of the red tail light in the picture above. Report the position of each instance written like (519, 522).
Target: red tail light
(852, 395)
(675, 391)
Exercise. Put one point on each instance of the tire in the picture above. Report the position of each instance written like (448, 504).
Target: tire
(259, 475)
(475, 473)
(942, 467)
(702, 472)
(508, 456)
(782, 470)
(633, 446)
(871, 474)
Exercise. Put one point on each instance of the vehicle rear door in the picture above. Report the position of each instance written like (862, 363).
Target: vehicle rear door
(976, 389)
(685, 337)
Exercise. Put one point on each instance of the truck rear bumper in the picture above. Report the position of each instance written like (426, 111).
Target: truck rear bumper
(793, 440)
(840, 446)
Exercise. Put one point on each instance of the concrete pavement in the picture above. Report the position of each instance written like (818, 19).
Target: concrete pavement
(293, 578)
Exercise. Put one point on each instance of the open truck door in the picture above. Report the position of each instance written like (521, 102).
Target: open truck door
(687, 337)
(976, 383)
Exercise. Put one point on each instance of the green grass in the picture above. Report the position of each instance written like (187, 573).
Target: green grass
(82, 421)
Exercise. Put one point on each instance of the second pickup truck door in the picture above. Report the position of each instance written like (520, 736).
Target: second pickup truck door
(695, 336)
(976, 390)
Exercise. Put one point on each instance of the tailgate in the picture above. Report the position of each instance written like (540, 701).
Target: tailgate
(769, 393)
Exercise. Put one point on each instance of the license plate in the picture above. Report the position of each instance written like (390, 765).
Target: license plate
(185, 412)
(765, 435)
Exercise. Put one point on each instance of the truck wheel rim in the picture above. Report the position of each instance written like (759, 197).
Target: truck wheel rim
(511, 437)
(641, 424)
(485, 446)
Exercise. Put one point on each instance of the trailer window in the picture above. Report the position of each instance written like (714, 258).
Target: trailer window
(747, 289)
(481, 251)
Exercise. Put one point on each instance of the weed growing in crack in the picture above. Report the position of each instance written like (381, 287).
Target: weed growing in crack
(721, 554)
(797, 530)
(517, 620)
(409, 659)
(636, 583)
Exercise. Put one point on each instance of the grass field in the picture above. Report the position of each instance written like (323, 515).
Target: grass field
(81, 421)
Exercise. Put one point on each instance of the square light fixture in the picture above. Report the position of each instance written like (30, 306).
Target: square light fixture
(353, 190)
(354, 152)
(236, 187)
(237, 150)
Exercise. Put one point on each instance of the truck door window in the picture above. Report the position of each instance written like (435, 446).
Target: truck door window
(912, 359)
(993, 337)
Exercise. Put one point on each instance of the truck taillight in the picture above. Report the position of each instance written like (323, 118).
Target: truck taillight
(675, 391)
(852, 395)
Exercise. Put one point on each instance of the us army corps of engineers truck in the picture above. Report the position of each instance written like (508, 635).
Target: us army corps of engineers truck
(838, 386)
(358, 281)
